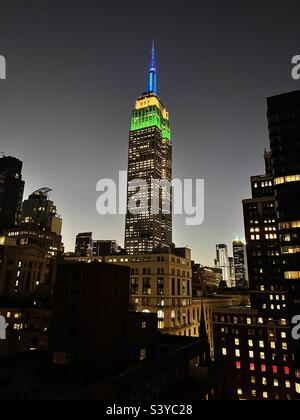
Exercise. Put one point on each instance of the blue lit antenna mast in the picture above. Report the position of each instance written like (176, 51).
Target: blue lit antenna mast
(152, 87)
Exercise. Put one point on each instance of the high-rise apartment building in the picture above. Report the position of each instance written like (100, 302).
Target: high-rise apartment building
(284, 129)
(263, 251)
(260, 348)
(150, 160)
(11, 192)
(102, 247)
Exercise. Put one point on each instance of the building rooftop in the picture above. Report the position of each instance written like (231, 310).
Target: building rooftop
(31, 376)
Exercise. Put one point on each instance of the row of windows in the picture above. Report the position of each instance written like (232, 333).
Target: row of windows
(150, 259)
(160, 271)
(270, 236)
(179, 287)
(287, 179)
(272, 345)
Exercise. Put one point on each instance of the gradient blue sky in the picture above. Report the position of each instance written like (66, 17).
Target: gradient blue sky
(75, 69)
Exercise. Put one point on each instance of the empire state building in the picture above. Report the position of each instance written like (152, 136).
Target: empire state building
(150, 159)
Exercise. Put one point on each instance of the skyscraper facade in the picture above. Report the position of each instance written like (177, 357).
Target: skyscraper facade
(105, 247)
(263, 251)
(84, 244)
(40, 210)
(11, 192)
(222, 262)
(239, 262)
(231, 272)
(150, 160)
(284, 130)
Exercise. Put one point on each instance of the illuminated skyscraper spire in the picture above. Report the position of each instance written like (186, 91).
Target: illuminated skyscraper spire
(150, 158)
(152, 87)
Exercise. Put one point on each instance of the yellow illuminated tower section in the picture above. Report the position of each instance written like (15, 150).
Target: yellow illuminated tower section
(150, 158)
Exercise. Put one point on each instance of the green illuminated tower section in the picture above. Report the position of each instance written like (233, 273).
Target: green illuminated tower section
(150, 158)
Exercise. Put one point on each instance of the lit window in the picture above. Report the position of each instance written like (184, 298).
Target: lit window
(263, 368)
(276, 383)
(238, 365)
(249, 321)
(251, 354)
(292, 275)
(265, 395)
(252, 367)
(240, 391)
(261, 344)
(253, 380)
(283, 335)
(264, 381)
(287, 384)
(224, 352)
(275, 369)
(237, 353)
(284, 346)
(237, 342)
(143, 354)
(262, 356)
(250, 343)
(273, 345)
(287, 371)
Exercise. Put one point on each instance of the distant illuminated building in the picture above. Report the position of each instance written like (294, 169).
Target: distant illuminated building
(102, 248)
(84, 244)
(11, 192)
(41, 211)
(231, 272)
(160, 283)
(239, 263)
(222, 262)
(39, 223)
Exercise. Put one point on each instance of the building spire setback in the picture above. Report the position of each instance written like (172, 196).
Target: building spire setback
(152, 86)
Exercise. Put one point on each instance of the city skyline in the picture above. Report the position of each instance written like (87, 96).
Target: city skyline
(75, 106)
